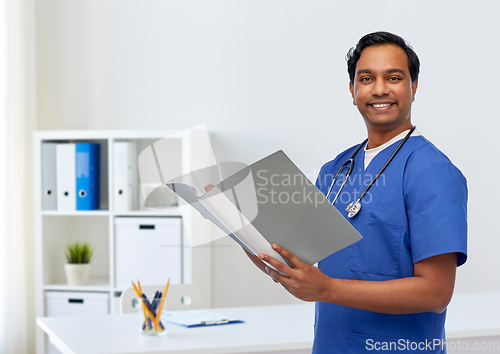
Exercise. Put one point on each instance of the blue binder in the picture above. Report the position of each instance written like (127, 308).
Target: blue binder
(87, 162)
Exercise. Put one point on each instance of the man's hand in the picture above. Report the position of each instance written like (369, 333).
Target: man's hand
(429, 290)
(305, 282)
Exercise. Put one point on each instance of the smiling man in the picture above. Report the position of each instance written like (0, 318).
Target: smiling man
(390, 290)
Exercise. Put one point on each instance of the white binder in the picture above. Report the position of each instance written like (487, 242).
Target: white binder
(125, 176)
(66, 177)
(49, 182)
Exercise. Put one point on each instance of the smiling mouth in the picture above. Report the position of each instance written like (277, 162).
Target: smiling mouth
(380, 105)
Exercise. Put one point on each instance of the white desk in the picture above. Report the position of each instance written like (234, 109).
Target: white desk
(266, 329)
(278, 329)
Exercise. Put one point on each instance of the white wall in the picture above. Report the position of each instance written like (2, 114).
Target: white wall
(269, 75)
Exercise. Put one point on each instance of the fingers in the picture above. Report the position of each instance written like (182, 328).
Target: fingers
(277, 277)
(268, 272)
(288, 255)
(283, 268)
(208, 187)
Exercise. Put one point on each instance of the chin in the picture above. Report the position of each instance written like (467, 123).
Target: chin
(384, 124)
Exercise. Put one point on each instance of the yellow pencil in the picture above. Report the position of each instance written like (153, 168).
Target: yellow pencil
(160, 309)
(144, 308)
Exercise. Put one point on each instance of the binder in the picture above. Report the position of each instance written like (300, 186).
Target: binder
(87, 165)
(66, 182)
(124, 176)
(49, 181)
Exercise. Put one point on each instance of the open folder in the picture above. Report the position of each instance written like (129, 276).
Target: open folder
(272, 201)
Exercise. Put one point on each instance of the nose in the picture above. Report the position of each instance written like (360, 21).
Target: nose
(380, 88)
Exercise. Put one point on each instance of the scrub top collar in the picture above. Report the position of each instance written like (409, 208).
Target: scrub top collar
(371, 153)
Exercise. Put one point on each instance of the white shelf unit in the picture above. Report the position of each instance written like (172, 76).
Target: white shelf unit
(54, 229)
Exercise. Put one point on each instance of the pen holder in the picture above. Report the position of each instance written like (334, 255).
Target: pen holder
(152, 315)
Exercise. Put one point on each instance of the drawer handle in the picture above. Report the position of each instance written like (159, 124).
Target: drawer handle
(75, 301)
(146, 227)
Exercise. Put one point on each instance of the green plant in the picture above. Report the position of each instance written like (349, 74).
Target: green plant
(79, 252)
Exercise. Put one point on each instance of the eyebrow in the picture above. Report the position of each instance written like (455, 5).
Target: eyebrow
(388, 71)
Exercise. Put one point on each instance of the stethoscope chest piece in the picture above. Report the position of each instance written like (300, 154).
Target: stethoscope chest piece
(353, 208)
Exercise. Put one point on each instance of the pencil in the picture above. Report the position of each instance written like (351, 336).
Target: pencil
(144, 308)
(160, 309)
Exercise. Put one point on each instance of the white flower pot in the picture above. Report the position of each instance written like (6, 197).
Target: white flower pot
(77, 274)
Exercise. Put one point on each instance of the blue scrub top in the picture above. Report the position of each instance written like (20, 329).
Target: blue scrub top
(416, 209)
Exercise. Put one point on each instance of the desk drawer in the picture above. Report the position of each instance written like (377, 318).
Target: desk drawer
(63, 303)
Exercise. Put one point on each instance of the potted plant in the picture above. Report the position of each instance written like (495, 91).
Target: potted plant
(78, 255)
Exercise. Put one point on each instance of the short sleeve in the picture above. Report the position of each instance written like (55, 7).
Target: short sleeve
(436, 205)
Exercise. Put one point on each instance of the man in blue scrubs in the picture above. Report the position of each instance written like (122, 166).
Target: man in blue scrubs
(389, 291)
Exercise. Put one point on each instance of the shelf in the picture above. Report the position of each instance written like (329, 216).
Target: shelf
(164, 212)
(101, 134)
(94, 284)
(76, 213)
(54, 229)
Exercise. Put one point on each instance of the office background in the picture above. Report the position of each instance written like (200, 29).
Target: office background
(269, 75)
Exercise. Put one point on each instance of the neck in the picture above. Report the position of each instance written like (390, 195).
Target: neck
(377, 138)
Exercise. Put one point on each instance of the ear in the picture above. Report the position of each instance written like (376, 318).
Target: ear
(414, 86)
(351, 88)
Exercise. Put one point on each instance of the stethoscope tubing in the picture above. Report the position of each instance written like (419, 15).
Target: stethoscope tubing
(350, 164)
(386, 164)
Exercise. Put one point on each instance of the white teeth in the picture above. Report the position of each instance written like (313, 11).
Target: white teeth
(381, 105)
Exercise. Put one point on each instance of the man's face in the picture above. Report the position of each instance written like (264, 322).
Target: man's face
(383, 90)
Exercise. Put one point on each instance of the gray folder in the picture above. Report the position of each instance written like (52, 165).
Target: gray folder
(49, 180)
(273, 199)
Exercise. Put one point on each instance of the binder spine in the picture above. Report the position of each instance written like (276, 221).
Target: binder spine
(124, 175)
(49, 181)
(87, 169)
(66, 188)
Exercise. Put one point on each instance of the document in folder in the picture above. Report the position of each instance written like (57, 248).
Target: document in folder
(272, 201)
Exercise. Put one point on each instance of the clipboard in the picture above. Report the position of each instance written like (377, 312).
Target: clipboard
(199, 318)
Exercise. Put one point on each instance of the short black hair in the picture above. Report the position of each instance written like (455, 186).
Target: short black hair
(378, 38)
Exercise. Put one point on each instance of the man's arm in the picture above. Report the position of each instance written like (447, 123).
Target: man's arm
(429, 290)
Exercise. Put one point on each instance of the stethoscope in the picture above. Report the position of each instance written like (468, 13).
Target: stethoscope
(353, 208)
